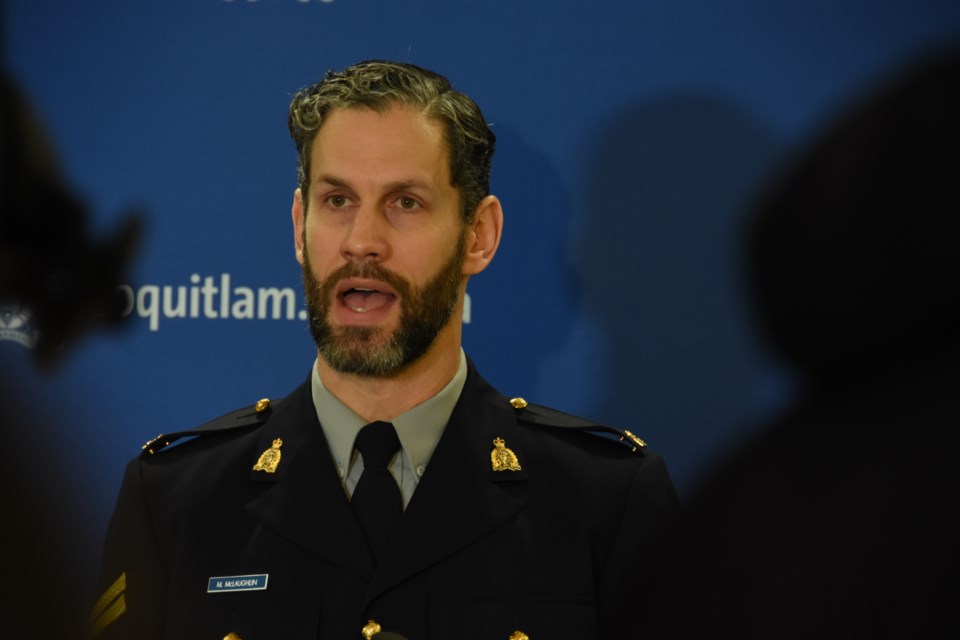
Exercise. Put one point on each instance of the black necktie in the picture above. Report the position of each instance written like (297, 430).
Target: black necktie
(376, 499)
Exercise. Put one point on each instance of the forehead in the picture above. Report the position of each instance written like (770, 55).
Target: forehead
(359, 137)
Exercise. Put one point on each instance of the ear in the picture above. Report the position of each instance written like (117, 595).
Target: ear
(299, 224)
(483, 236)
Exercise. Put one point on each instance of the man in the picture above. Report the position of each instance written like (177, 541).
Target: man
(491, 518)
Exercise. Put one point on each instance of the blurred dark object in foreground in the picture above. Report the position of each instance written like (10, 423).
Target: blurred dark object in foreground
(61, 282)
(837, 521)
(853, 256)
(50, 266)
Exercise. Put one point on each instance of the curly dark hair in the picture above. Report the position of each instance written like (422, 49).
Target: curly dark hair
(379, 85)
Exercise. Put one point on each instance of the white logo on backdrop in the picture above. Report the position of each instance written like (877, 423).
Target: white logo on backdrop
(15, 325)
(211, 298)
(298, 1)
(217, 298)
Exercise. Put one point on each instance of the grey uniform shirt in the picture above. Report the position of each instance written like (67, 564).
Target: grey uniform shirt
(418, 428)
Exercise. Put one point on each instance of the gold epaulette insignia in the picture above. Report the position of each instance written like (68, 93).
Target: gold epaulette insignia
(502, 458)
(110, 606)
(270, 458)
(152, 446)
(632, 438)
(262, 405)
(370, 629)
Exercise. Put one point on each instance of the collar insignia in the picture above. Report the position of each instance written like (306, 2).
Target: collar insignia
(502, 458)
(270, 458)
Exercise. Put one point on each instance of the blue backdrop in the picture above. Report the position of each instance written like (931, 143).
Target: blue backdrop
(632, 135)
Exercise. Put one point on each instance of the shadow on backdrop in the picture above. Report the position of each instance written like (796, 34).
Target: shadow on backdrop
(542, 291)
(837, 521)
(665, 184)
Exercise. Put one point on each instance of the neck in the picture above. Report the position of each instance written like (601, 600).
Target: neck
(384, 398)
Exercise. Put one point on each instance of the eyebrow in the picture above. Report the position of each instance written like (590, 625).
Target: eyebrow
(331, 180)
(398, 185)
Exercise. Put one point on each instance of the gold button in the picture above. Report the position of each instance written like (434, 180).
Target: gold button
(232, 636)
(370, 629)
(262, 405)
(519, 635)
(518, 403)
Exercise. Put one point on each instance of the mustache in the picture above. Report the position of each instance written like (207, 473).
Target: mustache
(366, 270)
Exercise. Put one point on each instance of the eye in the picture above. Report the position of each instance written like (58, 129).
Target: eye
(337, 201)
(408, 203)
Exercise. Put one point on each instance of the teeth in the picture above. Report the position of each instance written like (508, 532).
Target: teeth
(359, 296)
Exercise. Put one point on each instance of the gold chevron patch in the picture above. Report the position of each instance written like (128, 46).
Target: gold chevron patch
(110, 606)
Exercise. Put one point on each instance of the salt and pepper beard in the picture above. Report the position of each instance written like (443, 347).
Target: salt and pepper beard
(366, 351)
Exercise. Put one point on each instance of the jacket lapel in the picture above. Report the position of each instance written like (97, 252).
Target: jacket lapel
(306, 503)
(459, 499)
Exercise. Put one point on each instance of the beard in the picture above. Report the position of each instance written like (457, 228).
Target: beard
(374, 351)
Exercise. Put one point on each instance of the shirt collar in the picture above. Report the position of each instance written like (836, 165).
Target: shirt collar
(418, 428)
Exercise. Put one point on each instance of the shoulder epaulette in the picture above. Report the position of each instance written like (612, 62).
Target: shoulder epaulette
(246, 417)
(541, 416)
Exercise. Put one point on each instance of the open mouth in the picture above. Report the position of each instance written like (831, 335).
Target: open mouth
(364, 299)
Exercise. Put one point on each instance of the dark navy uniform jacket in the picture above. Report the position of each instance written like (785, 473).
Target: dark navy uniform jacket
(554, 550)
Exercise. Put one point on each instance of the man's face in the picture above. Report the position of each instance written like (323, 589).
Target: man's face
(382, 240)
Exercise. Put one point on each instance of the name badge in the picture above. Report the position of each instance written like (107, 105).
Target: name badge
(225, 584)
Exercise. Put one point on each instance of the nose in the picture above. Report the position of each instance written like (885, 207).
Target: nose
(366, 239)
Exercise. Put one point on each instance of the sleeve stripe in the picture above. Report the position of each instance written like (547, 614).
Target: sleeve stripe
(110, 606)
(114, 611)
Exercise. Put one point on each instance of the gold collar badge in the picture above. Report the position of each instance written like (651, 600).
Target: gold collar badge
(502, 458)
(270, 458)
